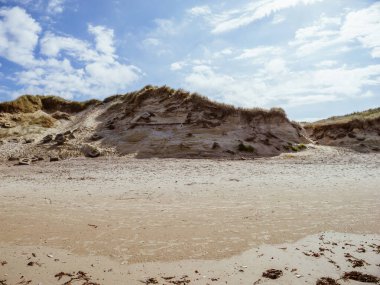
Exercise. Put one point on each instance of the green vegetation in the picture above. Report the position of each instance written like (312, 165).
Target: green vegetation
(246, 148)
(295, 147)
(298, 147)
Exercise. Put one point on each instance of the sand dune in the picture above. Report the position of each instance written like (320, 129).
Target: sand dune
(153, 122)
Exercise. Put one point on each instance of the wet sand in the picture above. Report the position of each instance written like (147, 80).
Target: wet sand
(158, 218)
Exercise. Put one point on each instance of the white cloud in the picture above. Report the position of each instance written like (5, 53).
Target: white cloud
(200, 10)
(175, 66)
(55, 6)
(275, 66)
(360, 26)
(18, 36)
(277, 19)
(323, 33)
(364, 26)
(157, 40)
(259, 52)
(151, 42)
(326, 63)
(103, 39)
(293, 88)
(98, 72)
(204, 79)
(237, 18)
(53, 46)
(166, 27)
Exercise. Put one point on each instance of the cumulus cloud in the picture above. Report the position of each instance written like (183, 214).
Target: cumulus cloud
(273, 75)
(364, 26)
(266, 88)
(103, 39)
(52, 45)
(19, 34)
(97, 71)
(357, 27)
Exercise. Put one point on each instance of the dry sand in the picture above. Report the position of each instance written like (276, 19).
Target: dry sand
(124, 220)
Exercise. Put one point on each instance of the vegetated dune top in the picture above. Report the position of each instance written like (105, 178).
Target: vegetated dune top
(359, 131)
(33, 103)
(49, 104)
(368, 115)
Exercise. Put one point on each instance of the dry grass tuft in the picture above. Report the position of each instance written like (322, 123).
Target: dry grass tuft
(30, 104)
(43, 121)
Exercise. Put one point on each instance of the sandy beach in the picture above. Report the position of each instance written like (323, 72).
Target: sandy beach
(128, 221)
(189, 142)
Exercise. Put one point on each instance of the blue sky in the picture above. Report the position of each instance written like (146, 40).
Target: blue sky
(314, 58)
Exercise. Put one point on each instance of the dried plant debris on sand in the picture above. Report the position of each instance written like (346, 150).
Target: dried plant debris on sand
(150, 280)
(272, 273)
(356, 262)
(361, 277)
(79, 277)
(327, 281)
(184, 280)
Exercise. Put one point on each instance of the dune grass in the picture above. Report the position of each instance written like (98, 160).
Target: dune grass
(365, 116)
(50, 104)
(197, 101)
(31, 103)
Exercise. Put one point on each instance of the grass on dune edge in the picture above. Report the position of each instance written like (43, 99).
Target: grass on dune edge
(49, 104)
(33, 103)
(359, 117)
(198, 102)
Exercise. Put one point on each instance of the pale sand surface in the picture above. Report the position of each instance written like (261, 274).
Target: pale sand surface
(165, 217)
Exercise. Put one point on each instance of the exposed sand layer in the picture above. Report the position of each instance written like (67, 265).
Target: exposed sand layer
(116, 212)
